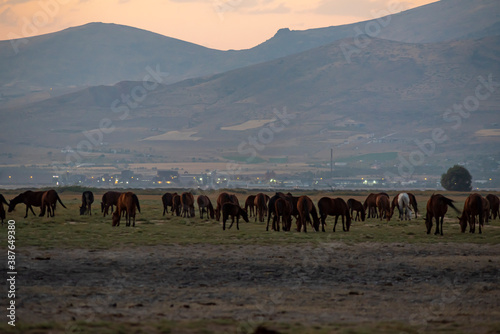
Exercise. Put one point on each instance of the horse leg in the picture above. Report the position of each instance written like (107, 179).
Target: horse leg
(335, 224)
(238, 222)
(232, 222)
(343, 226)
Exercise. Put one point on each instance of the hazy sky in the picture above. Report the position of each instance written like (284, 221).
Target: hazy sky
(220, 24)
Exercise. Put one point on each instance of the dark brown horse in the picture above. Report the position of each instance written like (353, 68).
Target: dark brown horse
(437, 206)
(49, 201)
(494, 206)
(127, 202)
(166, 199)
(413, 204)
(29, 198)
(357, 206)
(384, 207)
(370, 205)
(249, 205)
(221, 200)
(260, 206)
(306, 208)
(235, 211)
(187, 204)
(283, 208)
(87, 200)
(108, 200)
(204, 205)
(272, 209)
(2, 210)
(176, 205)
(334, 207)
(473, 207)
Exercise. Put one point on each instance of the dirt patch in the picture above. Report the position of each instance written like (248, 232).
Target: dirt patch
(420, 285)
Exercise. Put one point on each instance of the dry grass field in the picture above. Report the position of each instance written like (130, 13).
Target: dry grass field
(78, 274)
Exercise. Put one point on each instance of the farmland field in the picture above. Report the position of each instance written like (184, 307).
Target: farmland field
(168, 274)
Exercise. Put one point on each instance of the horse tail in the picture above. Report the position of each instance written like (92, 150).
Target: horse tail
(59, 200)
(136, 201)
(450, 202)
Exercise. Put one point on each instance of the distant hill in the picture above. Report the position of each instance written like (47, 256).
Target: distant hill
(388, 96)
(104, 54)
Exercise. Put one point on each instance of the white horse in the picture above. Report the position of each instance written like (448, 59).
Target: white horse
(404, 206)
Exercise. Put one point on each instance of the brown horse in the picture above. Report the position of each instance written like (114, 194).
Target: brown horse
(29, 198)
(127, 202)
(283, 207)
(334, 207)
(221, 200)
(49, 201)
(108, 200)
(494, 206)
(473, 207)
(166, 199)
(357, 206)
(261, 206)
(437, 206)
(384, 207)
(2, 210)
(87, 200)
(187, 204)
(305, 206)
(176, 205)
(249, 206)
(370, 205)
(413, 204)
(235, 211)
(204, 205)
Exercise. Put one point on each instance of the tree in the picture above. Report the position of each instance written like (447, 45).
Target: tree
(457, 178)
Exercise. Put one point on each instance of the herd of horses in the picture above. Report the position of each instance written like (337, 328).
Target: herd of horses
(279, 208)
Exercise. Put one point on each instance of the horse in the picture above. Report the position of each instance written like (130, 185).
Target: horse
(109, 199)
(221, 200)
(473, 207)
(261, 206)
(370, 205)
(176, 205)
(384, 207)
(283, 207)
(413, 204)
(87, 200)
(187, 204)
(2, 210)
(49, 201)
(29, 198)
(166, 199)
(249, 206)
(235, 211)
(127, 202)
(494, 206)
(204, 205)
(437, 206)
(272, 210)
(305, 206)
(357, 206)
(334, 207)
(402, 202)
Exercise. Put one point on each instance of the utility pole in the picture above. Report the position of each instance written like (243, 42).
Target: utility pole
(331, 162)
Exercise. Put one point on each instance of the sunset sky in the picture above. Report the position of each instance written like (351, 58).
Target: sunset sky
(219, 24)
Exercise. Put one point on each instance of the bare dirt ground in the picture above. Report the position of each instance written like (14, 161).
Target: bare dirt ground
(425, 286)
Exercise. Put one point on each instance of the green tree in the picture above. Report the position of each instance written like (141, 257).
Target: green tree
(457, 178)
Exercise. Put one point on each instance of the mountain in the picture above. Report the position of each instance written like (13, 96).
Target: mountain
(104, 54)
(388, 97)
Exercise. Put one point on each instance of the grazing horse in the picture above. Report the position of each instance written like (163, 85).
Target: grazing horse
(334, 207)
(473, 207)
(261, 206)
(413, 204)
(87, 200)
(271, 210)
(355, 205)
(176, 205)
(127, 202)
(29, 198)
(370, 204)
(108, 200)
(166, 199)
(402, 202)
(221, 200)
(283, 207)
(384, 207)
(249, 206)
(2, 210)
(187, 204)
(235, 211)
(305, 206)
(49, 201)
(204, 205)
(494, 206)
(437, 206)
